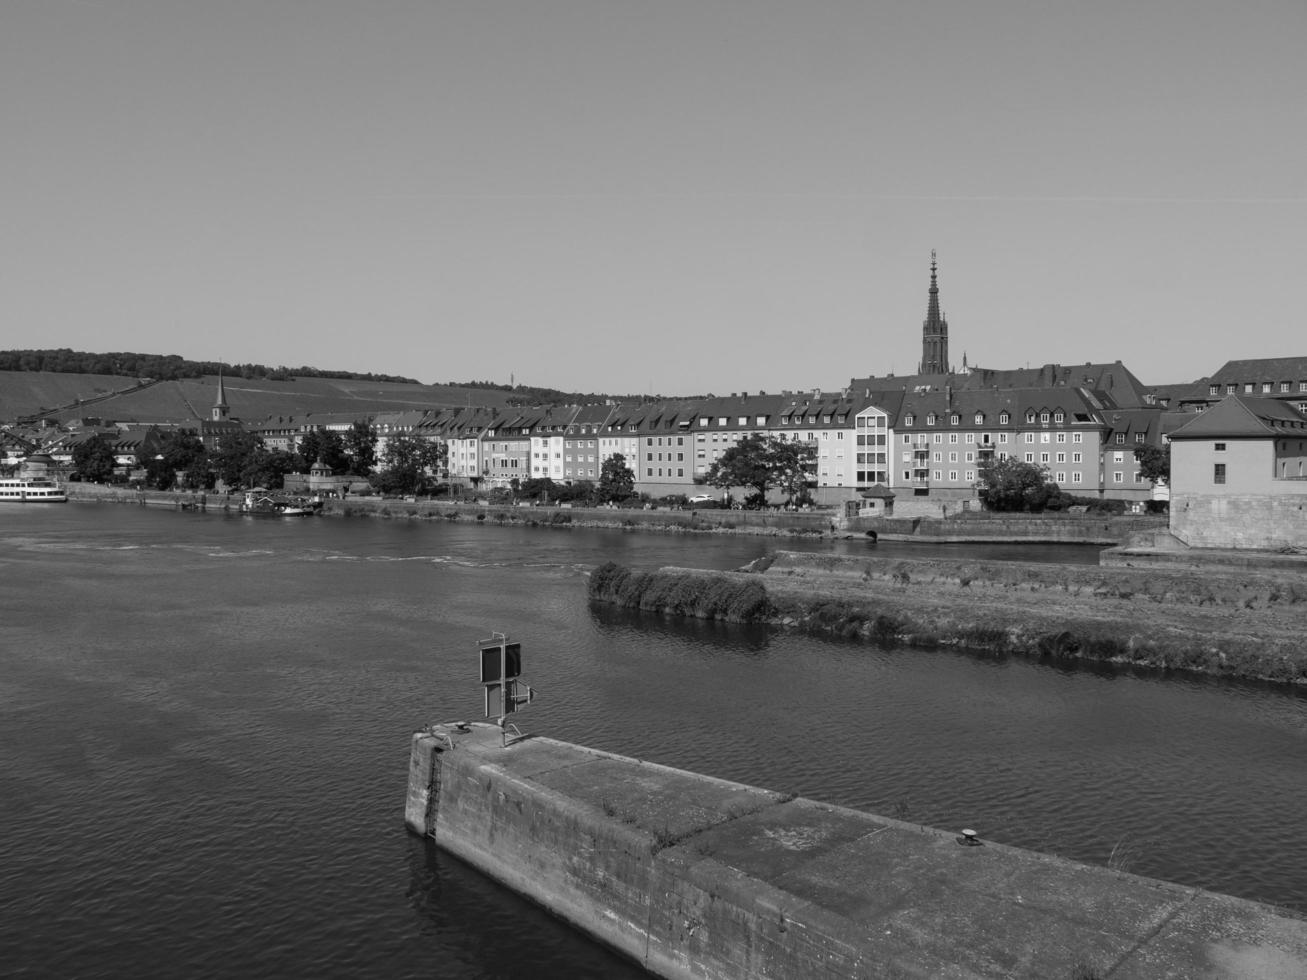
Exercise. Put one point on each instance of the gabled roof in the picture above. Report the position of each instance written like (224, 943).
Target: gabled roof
(1260, 369)
(1244, 417)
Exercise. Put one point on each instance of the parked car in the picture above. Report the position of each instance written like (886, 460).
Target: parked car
(702, 498)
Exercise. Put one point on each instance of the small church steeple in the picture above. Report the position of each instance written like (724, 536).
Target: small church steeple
(220, 408)
(934, 331)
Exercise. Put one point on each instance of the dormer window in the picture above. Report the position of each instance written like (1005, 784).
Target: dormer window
(954, 419)
(1030, 418)
(1060, 417)
(907, 419)
(980, 418)
(1004, 418)
(825, 420)
(930, 419)
(1043, 418)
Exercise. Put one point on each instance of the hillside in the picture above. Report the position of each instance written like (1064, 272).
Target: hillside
(24, 393)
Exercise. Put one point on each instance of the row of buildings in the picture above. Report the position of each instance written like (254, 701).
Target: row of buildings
(919, 437)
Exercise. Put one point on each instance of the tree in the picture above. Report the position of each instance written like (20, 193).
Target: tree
(268, 468)
(231, 460)
(763, 462)
(360, 443)
(325, 445)
(177, 452)
(1008, 484)
(93, 459)
(616, 480)
(1154, 463)
(405, 463)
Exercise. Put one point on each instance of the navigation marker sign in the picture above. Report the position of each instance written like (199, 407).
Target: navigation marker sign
(501, 664)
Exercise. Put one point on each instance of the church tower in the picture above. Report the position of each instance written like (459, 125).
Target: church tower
(934, 332)
(220, 409)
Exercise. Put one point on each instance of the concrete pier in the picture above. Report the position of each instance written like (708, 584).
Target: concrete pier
(693, 876)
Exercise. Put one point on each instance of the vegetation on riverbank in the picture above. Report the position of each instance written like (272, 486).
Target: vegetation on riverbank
(1188, 621)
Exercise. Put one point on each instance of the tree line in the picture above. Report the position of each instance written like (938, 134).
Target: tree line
(165, 367)
(179, 460)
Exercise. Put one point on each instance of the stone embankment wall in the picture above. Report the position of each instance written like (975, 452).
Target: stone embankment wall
(1249, 624)
(692, 876)
(976, 526)
(1243, 521)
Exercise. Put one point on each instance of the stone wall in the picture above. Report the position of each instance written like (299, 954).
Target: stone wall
(692, 877)
(1262, 521)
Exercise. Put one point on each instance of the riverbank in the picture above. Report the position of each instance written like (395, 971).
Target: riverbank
(970, 527)
(1200, 620)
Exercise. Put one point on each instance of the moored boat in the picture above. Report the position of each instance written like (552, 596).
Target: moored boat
(31, 490)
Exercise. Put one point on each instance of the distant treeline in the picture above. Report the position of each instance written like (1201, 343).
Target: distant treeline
(164, 367)
(528, 395)
(171, 367)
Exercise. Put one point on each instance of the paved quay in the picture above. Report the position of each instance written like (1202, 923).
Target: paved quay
(694, 876)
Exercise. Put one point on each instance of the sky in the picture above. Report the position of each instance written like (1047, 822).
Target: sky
(664, 196)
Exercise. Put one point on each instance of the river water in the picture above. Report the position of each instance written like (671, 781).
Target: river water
(205, 721)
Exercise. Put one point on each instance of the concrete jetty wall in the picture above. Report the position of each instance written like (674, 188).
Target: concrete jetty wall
(693, 876)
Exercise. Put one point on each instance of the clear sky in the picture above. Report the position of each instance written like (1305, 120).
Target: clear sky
(670, 196)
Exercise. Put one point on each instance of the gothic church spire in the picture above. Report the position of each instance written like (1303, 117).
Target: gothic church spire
(934, 331)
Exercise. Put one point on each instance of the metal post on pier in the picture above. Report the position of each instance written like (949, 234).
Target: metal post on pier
(501, 666)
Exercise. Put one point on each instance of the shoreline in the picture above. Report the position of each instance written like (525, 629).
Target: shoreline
(1198, 621)
(970, 529)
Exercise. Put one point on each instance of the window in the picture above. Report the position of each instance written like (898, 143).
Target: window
(980, 418)
(1076, 477)
(1060, 478)
(930, 419)
(1118, 457)
(1218, 473)
(1284, 386)
(1120, 438)
(953, 438)
(1030, 437)
(971, 476)
(1140, 436)
(1118, 477)
(1061, 437)
(1004, 418)
(1266, 386)
(1247, 388)
(1231, 389)
(1214, 389)
(1030, 457)
(953, 476)
(1061, 457)
(952, 457)
(907, 420)
(1219, 447)
(954, 419)
(1075, 457)
(971, 437)
(1077, 437)
(1060, 417)
(1043, 457)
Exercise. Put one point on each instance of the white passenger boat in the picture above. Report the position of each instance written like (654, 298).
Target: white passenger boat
(31, 490)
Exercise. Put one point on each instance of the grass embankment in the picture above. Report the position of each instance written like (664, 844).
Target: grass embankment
(1210, 622)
